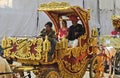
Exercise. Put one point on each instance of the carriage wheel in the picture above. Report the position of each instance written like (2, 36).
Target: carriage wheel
(97, 67)
(51, 73)
(20, 71)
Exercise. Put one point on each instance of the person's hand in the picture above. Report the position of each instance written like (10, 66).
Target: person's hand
(76, 33)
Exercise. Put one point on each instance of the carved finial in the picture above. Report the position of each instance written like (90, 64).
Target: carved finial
(94, 32)
(4, 41)
(46, 48)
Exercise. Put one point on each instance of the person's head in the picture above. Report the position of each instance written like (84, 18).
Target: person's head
(64, 24)
(48, 26)
(74, 19)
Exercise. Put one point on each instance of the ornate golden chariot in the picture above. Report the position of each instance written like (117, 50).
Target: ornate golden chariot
(67, 62)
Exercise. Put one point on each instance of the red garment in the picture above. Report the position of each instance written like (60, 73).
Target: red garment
(63, 32)
(114, 32)
(73, 18)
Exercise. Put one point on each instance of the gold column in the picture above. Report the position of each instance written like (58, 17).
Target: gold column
(46, 48)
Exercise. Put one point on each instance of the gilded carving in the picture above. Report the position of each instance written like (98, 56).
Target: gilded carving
(116, 21)
(54, 6)
(72, 62)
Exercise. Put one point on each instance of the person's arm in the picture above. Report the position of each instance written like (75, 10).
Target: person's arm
(42, 33)
(51, 35)
(69, 33)
(81, 30)
(59, 34)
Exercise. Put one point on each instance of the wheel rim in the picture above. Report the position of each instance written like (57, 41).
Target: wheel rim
(97, 67)
(52, 74)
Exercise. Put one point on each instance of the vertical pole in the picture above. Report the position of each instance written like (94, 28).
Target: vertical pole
(98, 11)
(37, 17)
(98, 15)
(114, 7)
(83, 4)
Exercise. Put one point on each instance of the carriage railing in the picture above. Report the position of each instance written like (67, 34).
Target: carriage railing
(24, 48)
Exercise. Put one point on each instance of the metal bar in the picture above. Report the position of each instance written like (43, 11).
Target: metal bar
(98, 12)
(114, 5)
(83, 4)
(3, 73)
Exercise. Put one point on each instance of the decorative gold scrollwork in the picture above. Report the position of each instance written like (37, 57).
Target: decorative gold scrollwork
(54, 5)
(64, 43)
(116, 21)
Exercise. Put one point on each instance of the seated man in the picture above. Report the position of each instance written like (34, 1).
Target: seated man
(75, 31)
(51, 36)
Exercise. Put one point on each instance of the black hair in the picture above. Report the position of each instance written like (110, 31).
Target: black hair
(49, 24)
(65, 22)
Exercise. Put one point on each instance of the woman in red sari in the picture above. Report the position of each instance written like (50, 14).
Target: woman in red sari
(63, 31)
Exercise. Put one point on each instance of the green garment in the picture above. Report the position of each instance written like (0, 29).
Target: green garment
(51, 34)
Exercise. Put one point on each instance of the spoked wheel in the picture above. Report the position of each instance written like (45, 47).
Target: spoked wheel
(97, 67)
(51, 73)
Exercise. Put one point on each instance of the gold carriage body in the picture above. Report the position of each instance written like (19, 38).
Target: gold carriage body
(70, 62)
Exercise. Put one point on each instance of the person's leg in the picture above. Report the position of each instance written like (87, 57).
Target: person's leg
(53, 44)
(70, 43)
(29, 74)
(75, 43)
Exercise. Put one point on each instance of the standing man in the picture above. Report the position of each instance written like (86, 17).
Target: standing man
(75, 31)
